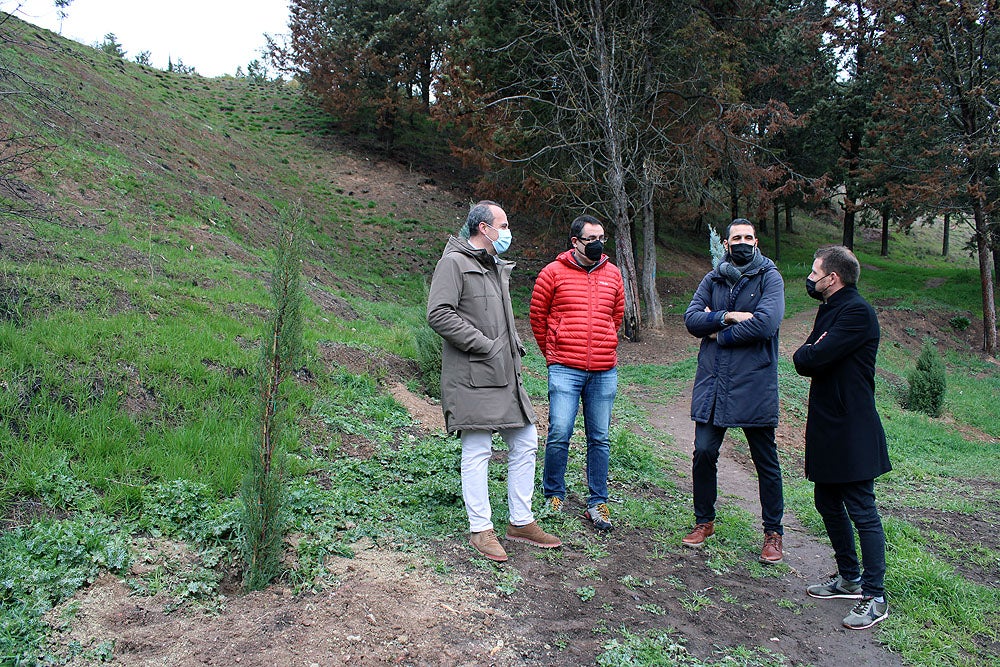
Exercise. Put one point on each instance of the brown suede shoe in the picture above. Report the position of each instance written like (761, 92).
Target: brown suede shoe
(696, 538)
(771, 553)
(532, 534)
(487, 544)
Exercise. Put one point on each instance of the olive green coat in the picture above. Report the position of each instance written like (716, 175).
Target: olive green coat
(469, 307)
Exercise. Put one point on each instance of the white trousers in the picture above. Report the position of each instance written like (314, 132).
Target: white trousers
(477, 447)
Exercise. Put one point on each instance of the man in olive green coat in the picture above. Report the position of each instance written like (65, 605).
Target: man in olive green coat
(481, 389)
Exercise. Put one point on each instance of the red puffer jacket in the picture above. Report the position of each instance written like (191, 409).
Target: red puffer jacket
(575, 314)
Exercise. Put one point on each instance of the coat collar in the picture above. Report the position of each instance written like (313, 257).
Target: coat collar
(844, 293)
(566, 257)
(463, 247)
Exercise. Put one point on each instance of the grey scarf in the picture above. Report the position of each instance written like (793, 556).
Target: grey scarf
(733, 273)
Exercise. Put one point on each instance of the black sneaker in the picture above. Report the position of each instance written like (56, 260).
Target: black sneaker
(600, 516)
(837, 587)
(866, 613)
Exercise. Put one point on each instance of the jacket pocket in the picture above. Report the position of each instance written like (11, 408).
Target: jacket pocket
(490, 369)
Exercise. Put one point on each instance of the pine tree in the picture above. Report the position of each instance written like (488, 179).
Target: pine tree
(264, 486)
(927, 382)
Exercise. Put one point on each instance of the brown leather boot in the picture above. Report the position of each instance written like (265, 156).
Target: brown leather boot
(532, 534)
(771, 553)
(696, 538)
(487, 544)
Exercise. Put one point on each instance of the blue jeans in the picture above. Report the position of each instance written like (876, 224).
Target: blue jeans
(845, 507)
(704, 473)
(597, 389)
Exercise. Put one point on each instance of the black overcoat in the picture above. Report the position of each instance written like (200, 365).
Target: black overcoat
(845, 441)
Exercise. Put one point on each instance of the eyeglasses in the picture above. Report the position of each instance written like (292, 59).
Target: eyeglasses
(591, 239)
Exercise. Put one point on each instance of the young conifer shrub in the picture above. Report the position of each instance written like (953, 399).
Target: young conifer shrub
(264, 485)
(927, 382)
(429, 358)
(428, 345)
(715, 247)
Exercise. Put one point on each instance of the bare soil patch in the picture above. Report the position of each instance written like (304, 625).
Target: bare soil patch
(909, 329)
(387, 608)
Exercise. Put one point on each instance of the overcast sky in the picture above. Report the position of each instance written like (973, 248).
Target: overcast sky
(213, 36)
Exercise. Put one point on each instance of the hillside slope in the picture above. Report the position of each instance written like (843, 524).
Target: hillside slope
(133, 298)
(140, 151)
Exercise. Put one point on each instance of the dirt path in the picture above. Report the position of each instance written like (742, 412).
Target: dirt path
(817, 632)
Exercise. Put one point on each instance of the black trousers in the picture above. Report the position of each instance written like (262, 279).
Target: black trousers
(704, 473)
(845, 507)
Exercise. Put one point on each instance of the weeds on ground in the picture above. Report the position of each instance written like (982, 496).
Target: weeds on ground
(668, 649)
(43, 564)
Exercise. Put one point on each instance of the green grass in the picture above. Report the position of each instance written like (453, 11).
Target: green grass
(938, 616)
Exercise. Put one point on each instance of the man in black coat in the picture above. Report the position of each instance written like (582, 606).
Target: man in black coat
(845, 443)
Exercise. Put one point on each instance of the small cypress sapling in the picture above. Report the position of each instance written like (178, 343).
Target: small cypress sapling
(428, 345)
(264, 485)
(715, 247)
(927, 382)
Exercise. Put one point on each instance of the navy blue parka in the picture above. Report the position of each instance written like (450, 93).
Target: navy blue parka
(736, 383)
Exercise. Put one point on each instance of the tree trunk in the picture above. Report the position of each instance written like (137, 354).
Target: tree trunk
(885, 233)
(626, 263)
(616, 174)
(996, 263)
(788, 218)
(734, 196)
(699, 221)
(425, 85)
(985, 280)
(848, 239)
(777, 233)
(654, 309)
(946, 234)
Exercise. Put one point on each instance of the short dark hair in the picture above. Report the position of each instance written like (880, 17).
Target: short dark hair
(480, 212)
(840, 260)
(576, 227)
(739, 221)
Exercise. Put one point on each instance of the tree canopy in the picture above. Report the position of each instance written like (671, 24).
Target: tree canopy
(645, 111)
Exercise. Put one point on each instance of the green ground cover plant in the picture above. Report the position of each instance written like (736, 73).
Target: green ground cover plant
(667, 649)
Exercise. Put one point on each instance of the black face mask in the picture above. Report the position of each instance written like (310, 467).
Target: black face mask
(741, 253)
(811, 288)
(593, 250)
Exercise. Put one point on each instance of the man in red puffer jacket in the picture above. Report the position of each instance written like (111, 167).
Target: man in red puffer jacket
(577, 307)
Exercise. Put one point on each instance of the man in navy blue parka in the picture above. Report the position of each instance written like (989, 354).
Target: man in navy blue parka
(737, 311)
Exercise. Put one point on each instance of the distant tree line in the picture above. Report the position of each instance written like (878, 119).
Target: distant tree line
(882, 112)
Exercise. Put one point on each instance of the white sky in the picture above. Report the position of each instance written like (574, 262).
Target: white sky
(213, 36)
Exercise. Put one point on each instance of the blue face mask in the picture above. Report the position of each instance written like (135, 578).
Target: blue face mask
(503, 240)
